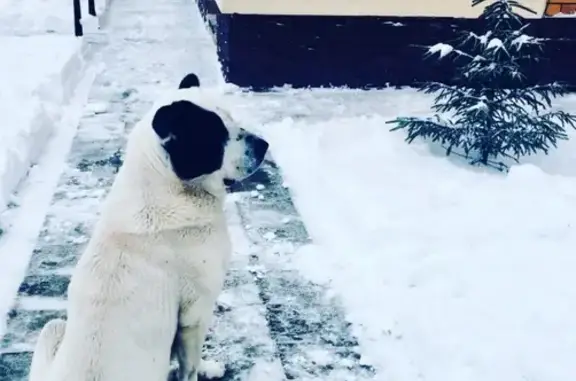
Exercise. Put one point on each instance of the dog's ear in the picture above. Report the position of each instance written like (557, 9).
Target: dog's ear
(189, 81)
(194, 138)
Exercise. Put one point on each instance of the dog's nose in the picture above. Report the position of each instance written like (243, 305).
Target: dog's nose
(259, 146)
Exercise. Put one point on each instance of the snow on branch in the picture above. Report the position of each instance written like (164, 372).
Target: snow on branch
(495, 44)
(444, 50)
(523, 39)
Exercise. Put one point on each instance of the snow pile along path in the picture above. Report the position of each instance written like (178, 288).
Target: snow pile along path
(448, 273)
(38, 76)
(42, 63)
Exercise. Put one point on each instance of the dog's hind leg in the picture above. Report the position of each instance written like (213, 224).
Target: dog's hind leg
(46, 347)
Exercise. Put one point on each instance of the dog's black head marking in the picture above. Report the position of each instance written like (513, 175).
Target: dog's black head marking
(189, 81)
(194, 138)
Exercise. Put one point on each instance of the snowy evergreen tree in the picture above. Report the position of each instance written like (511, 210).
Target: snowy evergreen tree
(490, 113)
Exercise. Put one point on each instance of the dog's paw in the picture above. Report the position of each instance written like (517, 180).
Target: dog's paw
(211, 369)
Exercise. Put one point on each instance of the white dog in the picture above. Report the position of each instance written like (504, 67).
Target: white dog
(146, 285)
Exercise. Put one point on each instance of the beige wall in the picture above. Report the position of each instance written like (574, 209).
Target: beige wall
(432, 8)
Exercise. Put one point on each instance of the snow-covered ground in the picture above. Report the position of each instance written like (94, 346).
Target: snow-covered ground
(447, 272)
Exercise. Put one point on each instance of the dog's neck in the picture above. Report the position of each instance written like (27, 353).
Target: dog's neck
(134, 203)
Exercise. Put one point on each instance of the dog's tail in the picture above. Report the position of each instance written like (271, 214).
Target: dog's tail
(189, 81)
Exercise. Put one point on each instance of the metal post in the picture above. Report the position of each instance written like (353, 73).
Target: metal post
(91, 8)
(78, 31)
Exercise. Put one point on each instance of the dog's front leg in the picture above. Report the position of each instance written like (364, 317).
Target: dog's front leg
(189, 355)
(178, 353)
(192, 330)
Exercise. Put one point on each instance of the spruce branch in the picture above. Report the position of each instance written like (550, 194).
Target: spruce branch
(490, 112)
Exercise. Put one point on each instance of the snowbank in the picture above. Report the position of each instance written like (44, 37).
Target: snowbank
(41, 65)
(38, 76)
(42, 16)
(448, 273)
